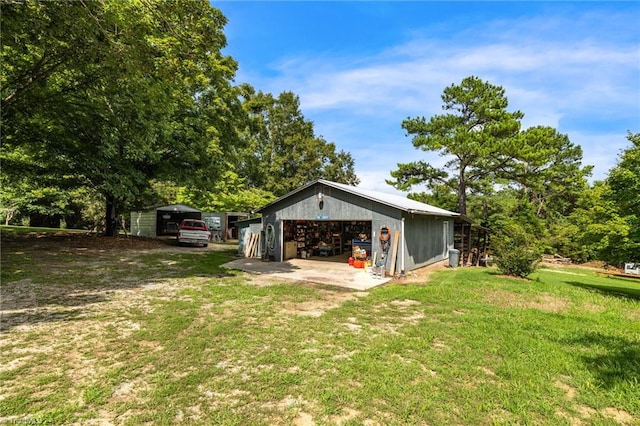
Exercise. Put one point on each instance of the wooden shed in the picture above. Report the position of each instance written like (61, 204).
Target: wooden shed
(324, 218)
(473, 241)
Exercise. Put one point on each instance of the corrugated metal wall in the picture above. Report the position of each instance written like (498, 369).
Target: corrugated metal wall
(427, 240)
(143, 223)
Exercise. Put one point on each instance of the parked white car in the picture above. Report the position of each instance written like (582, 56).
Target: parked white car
(193, 231)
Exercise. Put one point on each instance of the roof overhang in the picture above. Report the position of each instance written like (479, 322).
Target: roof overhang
(395, 201)
(176, 208)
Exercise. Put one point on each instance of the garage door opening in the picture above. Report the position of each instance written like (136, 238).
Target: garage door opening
(326, 240)
(168, 222)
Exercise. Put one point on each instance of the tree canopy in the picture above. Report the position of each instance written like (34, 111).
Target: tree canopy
(282, 151)
(109, 94)
(117, 97)
(126, 104)
(485, 150)
(608, 217)
(548, 168)
(476, 136)
(527, 185)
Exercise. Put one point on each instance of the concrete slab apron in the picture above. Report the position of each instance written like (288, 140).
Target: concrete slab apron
(321, 272)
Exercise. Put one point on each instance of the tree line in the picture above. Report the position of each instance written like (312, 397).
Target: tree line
(110, 106)
(528, 186)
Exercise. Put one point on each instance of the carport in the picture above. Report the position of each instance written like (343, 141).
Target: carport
(163, 220)
(169, 218)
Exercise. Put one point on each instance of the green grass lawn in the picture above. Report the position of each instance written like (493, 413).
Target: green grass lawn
(168, 337)
(16, 229)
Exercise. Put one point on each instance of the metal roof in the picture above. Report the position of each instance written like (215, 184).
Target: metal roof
(251, 220)
(181, 208)
(395, 201)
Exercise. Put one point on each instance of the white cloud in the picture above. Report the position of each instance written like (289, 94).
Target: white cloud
(603, 151)
(578, 74)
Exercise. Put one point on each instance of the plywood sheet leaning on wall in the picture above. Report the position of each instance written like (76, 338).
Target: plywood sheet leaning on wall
(252, 249)
(394, 253)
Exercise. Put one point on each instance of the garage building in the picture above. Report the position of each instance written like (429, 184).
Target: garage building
(325, 218)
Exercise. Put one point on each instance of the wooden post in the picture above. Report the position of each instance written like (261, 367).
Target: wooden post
(394, 253)
(478, 249)
(256, 238)
(462, 243)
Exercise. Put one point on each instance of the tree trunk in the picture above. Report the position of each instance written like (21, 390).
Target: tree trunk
(9, 217)
(111, 224)
(462, 193)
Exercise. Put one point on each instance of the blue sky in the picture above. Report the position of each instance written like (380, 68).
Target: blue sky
(360, 68)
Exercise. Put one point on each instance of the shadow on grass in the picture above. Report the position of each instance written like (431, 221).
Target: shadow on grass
(613, 360)
(33, 317)
(626, 292)
(57, 289)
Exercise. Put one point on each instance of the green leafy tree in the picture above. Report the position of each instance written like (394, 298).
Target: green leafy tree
(515, 253)
(230, 194)
(599, 230)
(548, 169)
(516, 235)
(439, 195)
(22, 201)
(546, 174)
(605, 225)
(112, 95)
(281, 151)
(624, 178)
(624, 193)
(13, 199)
(477, 136)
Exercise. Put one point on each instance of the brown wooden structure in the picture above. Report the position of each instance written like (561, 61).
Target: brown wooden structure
(473, 241)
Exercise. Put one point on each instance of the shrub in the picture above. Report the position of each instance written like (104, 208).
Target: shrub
(517, 261)
(517, 252)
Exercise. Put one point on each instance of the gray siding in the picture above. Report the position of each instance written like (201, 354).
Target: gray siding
(337, 205)
(221, 216)
(427, 240)
(143, 223)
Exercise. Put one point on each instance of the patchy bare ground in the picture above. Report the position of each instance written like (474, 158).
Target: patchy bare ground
(421, 275)
(72, 333)
(74, 336)
(90, 244)
(543, 302)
